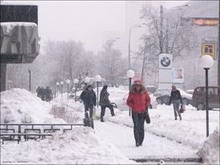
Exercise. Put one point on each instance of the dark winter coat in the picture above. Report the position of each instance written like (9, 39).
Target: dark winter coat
(104, 98)
(138, 101)
(175, 95)
(88, 97)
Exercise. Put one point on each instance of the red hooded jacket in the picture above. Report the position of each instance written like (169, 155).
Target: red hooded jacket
(138, 101)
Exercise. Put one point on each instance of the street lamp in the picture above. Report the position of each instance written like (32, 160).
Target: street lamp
(98, 79)
(207, 62)
(57, 88)
(29, 72)
(87, 80)
(130, 75)
(76, 81)
(129, 43)
(61, 83)
(68, 84)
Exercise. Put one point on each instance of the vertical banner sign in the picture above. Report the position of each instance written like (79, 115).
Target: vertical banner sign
(165, 71)
(178, 75)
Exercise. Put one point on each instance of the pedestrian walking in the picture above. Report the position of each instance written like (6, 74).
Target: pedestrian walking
(48, 94)
(138, 100)
(38, 91)
(176, 100)
(88, 97)
(105, 102)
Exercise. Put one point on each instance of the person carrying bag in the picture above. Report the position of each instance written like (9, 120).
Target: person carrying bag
(138, 100)
(147, 116)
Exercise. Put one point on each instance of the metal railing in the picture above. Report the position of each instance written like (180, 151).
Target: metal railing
(15, 132)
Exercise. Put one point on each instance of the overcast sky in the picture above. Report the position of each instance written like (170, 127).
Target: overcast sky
(85, 21)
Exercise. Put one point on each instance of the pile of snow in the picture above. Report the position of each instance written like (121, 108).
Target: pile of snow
(21, 106)
(210, 151)
(80, 146)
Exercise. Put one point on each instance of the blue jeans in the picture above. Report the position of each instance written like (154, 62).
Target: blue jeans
(138, 120)
(176, 107)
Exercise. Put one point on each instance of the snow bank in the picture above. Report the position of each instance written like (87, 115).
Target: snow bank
(21, 106)
(80, 146)
(210, 151)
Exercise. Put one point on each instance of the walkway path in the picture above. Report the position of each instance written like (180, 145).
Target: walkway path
(154, 147)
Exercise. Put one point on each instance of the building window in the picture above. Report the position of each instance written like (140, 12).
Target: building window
(208, 49)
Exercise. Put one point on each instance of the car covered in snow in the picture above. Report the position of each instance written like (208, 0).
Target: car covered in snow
(163, 96)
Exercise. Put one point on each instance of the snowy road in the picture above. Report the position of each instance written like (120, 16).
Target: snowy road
(153, 146)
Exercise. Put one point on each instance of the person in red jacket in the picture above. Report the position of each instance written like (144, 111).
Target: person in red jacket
(138, 100)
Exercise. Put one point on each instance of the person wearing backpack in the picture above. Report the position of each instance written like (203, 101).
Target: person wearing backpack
(105, 102)
(138, 100)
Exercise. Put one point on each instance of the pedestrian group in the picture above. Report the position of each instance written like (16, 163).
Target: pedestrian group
(138, 101)
(44, 93)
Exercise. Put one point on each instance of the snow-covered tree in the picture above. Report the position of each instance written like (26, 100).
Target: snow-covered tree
(166, 32)
(111, 63)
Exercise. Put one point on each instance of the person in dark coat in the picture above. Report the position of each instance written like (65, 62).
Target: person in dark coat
(38, 92)
(176, 99)
(138, 100)
(88, 97)
(105, 102)
(48, 94)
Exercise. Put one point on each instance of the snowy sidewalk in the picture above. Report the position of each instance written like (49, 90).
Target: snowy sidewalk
(154, 147)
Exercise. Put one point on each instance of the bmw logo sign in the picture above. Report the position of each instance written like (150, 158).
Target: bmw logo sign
(165, 61)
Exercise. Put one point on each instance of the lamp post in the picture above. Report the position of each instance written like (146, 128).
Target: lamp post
(29, 71)
(87, 80)
(76, 81)
(98, 79)
(130, 75)
(57, 88)
(68, 85)
(129, 44)
(61, 83)
(206, 62)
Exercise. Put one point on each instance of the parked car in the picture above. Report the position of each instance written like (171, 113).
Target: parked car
(199, 94)
(163, 96)
(190, 91)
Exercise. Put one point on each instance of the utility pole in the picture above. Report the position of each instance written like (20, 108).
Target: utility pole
(167, 36)
(161, 29)
(219, 47)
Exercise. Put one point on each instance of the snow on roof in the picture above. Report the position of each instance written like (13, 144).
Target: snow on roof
(17, 3)
(20, 106)
(17, 24)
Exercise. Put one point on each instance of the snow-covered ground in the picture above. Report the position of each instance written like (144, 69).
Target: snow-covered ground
(153, 146)
(80, 146)
(191, 131)
(174, 138)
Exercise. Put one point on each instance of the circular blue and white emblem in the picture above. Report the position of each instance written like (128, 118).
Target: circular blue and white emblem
(165, 61)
